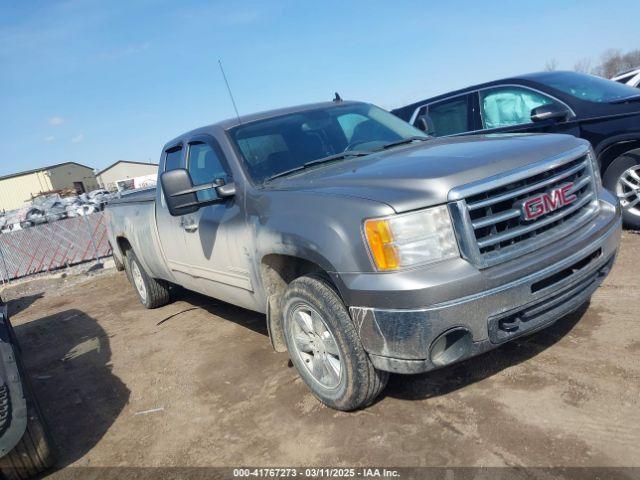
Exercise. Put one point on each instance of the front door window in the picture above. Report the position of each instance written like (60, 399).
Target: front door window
(204, 166)
(508, 106)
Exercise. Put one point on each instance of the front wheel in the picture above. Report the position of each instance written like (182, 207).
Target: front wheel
(325, 348)
(622, 177)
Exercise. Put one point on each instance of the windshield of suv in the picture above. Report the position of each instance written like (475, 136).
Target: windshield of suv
(288, 142)
(587, 87)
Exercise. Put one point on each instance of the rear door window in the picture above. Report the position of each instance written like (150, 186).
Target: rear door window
(173, 159)
(451, 116)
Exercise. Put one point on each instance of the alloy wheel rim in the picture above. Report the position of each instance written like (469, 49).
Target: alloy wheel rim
(138, 281)
(315, 346)
(628, 190)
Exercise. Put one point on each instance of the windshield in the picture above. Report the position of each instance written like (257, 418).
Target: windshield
(588, 87)
(284, 143)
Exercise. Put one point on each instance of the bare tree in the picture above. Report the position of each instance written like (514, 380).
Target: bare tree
(610, 63)
(632, 59)
(551, 65)
(583, 65)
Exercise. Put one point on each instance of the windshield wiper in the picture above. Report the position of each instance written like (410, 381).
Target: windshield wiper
(632, 98)
(330, 158)
(404, 141)
(337, 156)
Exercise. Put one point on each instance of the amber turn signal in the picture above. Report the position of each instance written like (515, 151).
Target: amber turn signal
(380, 240)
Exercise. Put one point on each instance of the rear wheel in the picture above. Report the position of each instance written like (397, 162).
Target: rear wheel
(622, 177)
(151, 292)
(325, 348)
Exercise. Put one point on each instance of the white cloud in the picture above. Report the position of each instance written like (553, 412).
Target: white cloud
(49, 139)
(77, 138)
(55, 121)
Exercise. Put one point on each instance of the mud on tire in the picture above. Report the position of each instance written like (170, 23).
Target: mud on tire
(360, 383)
(152, 293)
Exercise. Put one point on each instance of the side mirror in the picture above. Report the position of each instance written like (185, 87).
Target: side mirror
(425, 123)
(551, 111)
(181, 195)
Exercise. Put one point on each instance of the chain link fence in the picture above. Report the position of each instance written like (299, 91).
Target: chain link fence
(51, 246)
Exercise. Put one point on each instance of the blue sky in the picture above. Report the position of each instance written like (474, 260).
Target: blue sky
(95, 82)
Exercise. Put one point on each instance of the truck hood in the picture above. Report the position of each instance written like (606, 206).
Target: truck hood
(421, 175)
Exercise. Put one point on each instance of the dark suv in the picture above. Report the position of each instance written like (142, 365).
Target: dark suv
(605, 113)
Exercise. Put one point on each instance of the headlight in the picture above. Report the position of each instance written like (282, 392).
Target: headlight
(411, 239)
(595, 166)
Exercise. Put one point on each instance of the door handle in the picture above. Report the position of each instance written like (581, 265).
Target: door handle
(188, 227)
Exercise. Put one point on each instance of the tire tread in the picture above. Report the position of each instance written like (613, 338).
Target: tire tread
(33, 454)
(158, 291)
(368, 382)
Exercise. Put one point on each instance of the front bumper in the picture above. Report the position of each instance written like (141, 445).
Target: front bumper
(530, 293)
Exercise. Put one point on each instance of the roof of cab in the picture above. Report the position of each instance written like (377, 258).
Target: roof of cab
(244, 119)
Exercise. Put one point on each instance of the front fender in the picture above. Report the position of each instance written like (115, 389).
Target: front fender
(320, 228)
(608, 149)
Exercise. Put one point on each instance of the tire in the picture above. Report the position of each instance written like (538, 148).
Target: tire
(151, 292)
(33, 454)
(312, 299)
(611, 179)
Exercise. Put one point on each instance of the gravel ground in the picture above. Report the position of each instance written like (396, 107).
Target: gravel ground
(196, 383)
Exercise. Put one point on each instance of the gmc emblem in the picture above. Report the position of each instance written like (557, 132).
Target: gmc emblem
(544, 203)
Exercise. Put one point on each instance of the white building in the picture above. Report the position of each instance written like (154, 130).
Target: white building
(124, 170)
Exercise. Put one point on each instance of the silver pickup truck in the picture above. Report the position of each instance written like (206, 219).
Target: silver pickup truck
(371, 247)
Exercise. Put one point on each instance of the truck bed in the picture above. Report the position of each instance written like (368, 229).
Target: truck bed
(143, 195)
(132, 217)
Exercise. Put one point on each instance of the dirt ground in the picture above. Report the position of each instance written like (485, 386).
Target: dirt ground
(196, 383)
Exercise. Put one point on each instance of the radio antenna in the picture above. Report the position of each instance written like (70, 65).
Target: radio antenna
(229, 90)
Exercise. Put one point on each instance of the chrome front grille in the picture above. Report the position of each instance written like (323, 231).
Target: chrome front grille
(489, 219)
